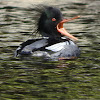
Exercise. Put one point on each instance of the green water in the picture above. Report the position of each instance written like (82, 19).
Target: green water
(29, 78)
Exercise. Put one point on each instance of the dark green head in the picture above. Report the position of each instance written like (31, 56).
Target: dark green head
(48, 21)
(51, 22)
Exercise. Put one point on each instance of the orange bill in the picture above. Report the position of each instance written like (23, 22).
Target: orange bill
(63, 31)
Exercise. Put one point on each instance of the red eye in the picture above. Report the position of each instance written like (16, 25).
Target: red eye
(53, 19)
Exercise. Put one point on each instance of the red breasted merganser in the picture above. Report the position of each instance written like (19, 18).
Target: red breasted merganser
(52, 44)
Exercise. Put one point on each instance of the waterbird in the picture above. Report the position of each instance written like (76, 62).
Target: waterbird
(55, 42)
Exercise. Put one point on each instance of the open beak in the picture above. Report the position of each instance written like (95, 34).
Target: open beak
(62, 30)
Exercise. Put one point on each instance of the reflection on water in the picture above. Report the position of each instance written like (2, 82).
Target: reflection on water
(33, 78)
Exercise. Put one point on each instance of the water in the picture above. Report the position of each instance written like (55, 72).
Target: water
(31, 78)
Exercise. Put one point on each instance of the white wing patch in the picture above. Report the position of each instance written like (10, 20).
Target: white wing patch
(56, 47)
